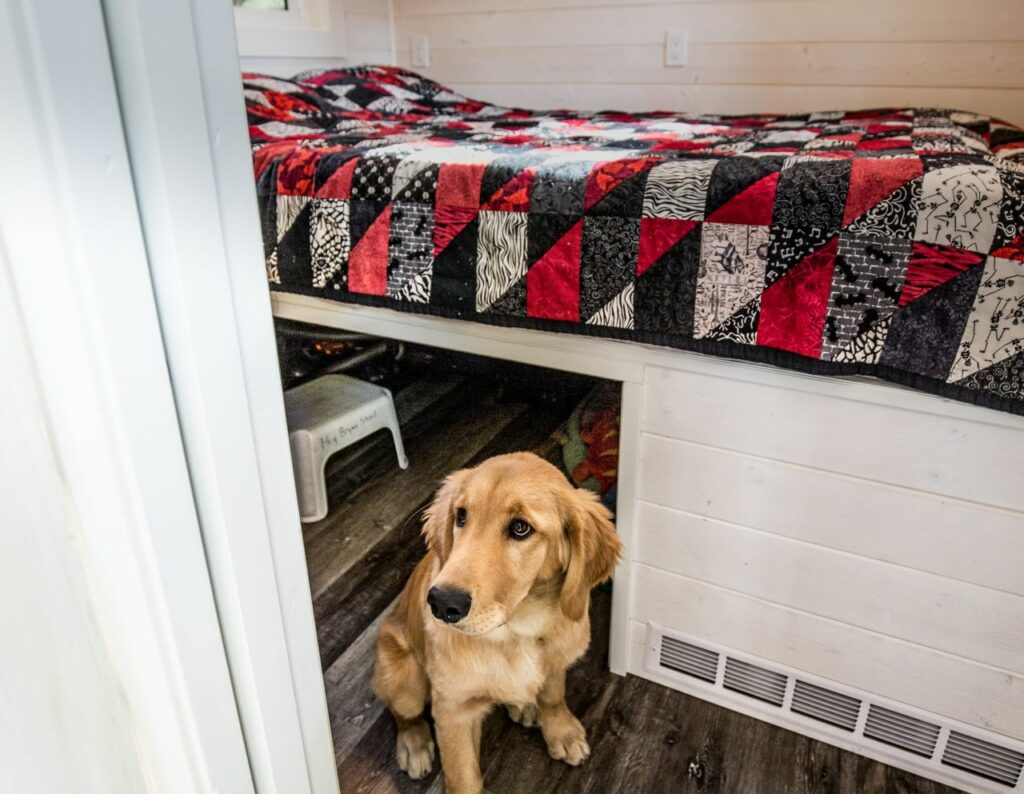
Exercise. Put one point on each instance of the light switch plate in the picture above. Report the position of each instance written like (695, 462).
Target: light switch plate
(677, 45)
(420, 51)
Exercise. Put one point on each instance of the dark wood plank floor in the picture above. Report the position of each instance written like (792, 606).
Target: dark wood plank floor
(644, 737)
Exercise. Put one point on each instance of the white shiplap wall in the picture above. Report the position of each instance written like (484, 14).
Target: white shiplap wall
(369, 30)
(744, 55)
(869, 544)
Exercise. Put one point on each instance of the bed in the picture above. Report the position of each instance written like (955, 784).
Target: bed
(843, 531)
(880, 242)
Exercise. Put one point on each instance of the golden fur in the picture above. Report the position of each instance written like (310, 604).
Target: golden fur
(528, 622)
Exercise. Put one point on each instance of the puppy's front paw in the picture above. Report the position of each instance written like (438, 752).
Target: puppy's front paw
(414, 749)
(524, 715)
(567, 740)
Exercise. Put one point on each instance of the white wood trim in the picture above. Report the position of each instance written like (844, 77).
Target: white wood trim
(568, 353)
(626, 523)
(179, 85)
(228, 138)
(79, 272)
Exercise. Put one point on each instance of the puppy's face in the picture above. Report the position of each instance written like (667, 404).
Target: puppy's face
(508, 526)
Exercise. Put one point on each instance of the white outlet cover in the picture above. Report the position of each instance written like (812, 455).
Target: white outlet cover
(420, 51)
(677, 47)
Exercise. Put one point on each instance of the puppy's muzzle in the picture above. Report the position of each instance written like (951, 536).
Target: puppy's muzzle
(449, 604)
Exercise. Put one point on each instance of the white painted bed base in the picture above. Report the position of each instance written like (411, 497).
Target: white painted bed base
(615, 360)
(898, 571)
(609, 358)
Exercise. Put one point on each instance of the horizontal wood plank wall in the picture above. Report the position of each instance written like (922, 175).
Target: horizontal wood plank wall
(974, 461)
(875, 546)
(744, 55)
(369, 30)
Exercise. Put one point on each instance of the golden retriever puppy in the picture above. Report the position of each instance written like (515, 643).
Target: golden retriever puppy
(495, 613)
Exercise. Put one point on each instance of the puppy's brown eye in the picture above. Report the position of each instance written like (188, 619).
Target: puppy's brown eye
(519, 529)
(460, 516)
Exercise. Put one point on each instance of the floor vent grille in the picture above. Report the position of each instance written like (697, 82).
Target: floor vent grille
(900, 730)
(895, 733)
(689, 659)
(755, 681)
(983, 758)
(825, 705)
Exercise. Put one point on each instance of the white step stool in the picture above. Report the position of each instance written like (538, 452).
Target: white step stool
(328, 414)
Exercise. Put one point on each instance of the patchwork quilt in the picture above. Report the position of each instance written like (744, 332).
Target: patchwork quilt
(883, 242)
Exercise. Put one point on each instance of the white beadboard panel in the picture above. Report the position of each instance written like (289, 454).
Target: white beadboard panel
(960, 540)
(744, 56)
(875, 64)
(958, 618)
(974, 461)
(948, 685)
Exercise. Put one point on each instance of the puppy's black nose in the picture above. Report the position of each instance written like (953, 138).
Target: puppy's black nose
(449, 604)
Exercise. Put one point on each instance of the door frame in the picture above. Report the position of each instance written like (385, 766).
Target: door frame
(75, 264)
(178, 82)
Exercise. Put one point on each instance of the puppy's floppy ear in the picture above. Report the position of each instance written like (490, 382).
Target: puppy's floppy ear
(439, 517)
(594, 549)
